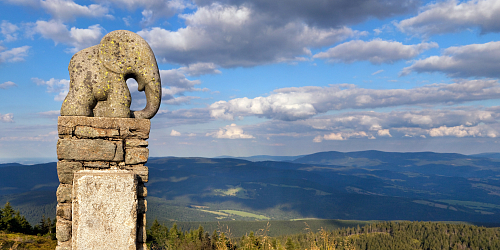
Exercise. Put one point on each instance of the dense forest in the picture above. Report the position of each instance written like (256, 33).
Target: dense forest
(11, 221)
(376, 236)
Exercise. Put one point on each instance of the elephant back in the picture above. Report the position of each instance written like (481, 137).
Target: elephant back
(123, 52)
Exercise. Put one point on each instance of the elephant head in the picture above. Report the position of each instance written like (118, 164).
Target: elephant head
(98, 76)
(126, 53)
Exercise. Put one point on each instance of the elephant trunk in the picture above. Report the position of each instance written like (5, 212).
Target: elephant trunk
(150, 83)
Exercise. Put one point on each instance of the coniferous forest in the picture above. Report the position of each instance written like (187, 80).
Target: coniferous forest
(377, 236)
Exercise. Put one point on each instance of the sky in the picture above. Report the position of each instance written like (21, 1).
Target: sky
(259, 77)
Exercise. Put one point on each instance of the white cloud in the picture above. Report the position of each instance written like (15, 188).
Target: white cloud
(394, 125)
(462, 131)
(376, 51)
(464, 61)
(377, 72)
(323, 13)
(453, 16)
(304, 102)
(230, 132)
(342, 136)
(198, 69)
(7, 85)
(232, 36)
(178, 85)
(67, 10)
(78, 38)
(384, 132)
(153, 9)
(175, 133)
(9, 117)
(61, 87)
(9, 31)
(13, 55)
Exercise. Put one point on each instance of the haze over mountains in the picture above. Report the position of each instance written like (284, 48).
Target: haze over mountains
(366, 185)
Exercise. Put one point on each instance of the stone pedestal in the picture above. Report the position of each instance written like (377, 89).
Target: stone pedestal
(102, 174)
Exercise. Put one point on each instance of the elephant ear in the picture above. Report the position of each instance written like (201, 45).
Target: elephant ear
(123, 52)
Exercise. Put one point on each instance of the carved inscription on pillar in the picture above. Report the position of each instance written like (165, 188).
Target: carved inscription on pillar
(104, 207)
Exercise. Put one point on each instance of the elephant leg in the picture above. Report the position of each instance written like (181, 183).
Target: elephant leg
(117, 103)
(79, 102)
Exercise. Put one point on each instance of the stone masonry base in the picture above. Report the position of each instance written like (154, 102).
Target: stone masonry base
(100, 143)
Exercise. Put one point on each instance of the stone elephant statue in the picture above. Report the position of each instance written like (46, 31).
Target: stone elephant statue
(98, 77)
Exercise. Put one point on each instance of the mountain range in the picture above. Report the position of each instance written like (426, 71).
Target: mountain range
(365, 185)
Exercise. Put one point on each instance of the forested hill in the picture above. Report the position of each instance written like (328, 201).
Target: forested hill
(368, 185)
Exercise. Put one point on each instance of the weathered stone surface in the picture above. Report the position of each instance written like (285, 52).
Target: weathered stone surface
(142, 191)
(98, 73)
(63, 230)
(141, 228)
(90, 132)
(142, 246)
(142, 205)
(87, 150)
(63, 130)
(63, 210)
(65, 170)
(136, 155)
(96, 164)
(104, 209)
(135, 143)
(141, 171)
(63, 193)
(128, 127)
(64, 245)
(120, 154)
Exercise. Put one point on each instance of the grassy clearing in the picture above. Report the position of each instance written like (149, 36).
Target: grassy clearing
(472, 204)
(245, 214)
(22, 241)
(214, 212)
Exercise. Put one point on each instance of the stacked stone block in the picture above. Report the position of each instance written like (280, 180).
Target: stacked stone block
(100, 143)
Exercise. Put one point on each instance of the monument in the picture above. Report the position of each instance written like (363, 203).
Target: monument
(102, 146)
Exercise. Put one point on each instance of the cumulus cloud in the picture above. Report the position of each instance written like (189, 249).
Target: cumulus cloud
(175, 133)
(464, 121)
(341, 136)
(230, 132)
(454, 16)
(376, 51)
(304, 102)
(75, 37)
(7, 85)
(462, 131)
(178, 85)
(13, 55)
(480, 60)
(152, 9)
(324, 13)
(197, 69)
(67, 10)
(9, 31)
(61, 87)
(232, 36)
(9, 117)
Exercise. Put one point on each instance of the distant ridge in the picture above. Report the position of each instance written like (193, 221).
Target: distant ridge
(487, 155)
(256, 158)
(364, 185)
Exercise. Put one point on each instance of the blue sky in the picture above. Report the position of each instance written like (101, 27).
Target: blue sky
(250, 77)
